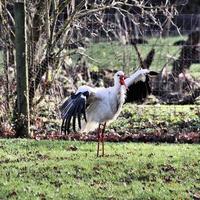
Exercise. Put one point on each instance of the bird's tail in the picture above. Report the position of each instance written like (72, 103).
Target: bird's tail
(89, 126)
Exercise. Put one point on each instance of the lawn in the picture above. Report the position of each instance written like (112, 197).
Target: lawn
(54, 170)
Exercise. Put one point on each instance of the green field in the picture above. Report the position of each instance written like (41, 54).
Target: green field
(52, 170)
(114, 55)
(31, 169)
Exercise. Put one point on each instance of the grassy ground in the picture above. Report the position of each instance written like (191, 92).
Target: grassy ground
(51, 170)
(114, 55)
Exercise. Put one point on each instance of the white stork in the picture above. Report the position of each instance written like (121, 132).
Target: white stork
(98, 106)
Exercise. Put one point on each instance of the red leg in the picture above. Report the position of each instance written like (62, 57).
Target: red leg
(99, 138)
(103, 130)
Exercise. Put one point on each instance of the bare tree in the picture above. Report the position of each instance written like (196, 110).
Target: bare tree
(54, 26)
(69, 21)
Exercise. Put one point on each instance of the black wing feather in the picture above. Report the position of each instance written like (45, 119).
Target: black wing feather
(138, 92)
(84, 113)
(79, 114)
(73, 109)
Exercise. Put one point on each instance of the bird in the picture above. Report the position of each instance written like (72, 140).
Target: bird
(139, 91)
(95, 107)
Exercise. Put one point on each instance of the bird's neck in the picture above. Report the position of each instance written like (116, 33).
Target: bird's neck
(117, 84)
(119, 88)
(120, 91)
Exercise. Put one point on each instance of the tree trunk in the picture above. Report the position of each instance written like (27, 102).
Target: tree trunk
(22, 121)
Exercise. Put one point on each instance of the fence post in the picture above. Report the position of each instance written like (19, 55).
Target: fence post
(22, 107)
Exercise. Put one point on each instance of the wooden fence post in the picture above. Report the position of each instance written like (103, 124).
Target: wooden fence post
(22, 107)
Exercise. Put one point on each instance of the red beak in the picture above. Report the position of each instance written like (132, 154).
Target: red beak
(122, 82)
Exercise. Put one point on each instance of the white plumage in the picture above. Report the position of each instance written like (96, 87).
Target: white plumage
(98, 105)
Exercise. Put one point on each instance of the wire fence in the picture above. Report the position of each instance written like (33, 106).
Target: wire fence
(92, 56)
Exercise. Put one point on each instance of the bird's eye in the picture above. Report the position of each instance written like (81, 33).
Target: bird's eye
(118, 75)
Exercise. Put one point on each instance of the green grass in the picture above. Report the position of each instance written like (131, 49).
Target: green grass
(114, 55)
(50, 170)
(195, 70)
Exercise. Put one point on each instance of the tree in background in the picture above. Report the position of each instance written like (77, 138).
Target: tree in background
(55, 26)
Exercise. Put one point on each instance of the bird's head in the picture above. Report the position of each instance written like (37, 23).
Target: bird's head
(119, 78)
